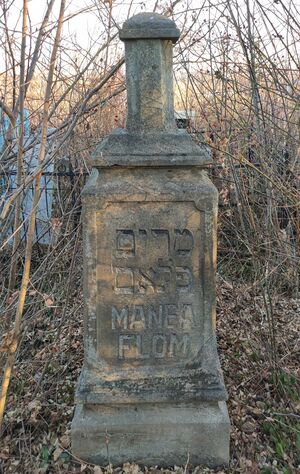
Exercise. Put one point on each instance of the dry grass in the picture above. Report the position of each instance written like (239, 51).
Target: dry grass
(263, 402)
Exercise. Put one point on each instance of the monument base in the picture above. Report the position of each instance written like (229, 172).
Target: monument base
(149, 435)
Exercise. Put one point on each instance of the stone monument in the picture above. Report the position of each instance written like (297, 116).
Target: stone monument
(151, 390)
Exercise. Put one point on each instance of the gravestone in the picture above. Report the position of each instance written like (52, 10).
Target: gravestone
(151, 390)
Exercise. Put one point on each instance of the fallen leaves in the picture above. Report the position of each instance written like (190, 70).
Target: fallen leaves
(37, 438)
(7, 341)
(48, 300)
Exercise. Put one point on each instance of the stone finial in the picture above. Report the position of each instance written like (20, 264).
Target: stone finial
(148, 41)
(149, 26)
(151, 137)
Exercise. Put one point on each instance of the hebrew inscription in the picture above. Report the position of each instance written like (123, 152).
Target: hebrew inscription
(149, 283)
(159, 278)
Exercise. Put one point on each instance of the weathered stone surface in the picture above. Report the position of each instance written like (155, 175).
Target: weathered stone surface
(155, 149)
(149, 25)
(153, 434)
(151, 389)
(149, 286)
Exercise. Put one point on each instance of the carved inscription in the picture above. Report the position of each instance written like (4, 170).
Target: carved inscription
(159, 317)
(160, 279)
(135, 241)
(131, 346)
(149, 283)
(141, 319)
(164, 276)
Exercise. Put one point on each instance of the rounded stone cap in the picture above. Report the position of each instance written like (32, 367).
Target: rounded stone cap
(149, 26)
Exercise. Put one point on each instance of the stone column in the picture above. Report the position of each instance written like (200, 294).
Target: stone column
(151, 389)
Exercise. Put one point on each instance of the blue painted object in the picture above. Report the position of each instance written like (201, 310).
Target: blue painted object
(8, 185)
(4, 125)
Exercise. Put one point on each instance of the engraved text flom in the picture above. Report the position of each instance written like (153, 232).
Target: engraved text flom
(132, 346)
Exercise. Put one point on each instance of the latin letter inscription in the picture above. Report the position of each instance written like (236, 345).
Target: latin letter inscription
(150, 267)
(149, 331)
(161, 346)
(164, 251)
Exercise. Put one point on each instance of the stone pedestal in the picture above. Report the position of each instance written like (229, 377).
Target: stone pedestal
(153, 434)
(151, 390)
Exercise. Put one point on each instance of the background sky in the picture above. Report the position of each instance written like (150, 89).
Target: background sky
(86, 22)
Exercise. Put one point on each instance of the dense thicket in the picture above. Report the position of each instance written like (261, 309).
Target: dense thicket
(237, 80)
